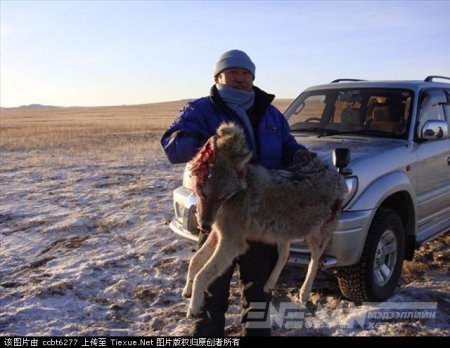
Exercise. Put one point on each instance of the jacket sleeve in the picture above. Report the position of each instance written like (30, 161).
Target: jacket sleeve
(185, 136)
(290, 145)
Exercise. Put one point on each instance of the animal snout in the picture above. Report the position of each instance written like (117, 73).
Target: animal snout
(206, 214)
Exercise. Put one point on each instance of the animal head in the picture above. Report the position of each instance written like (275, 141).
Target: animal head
(218, 171)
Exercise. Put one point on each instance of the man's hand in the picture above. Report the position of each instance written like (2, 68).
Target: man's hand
(304, 156)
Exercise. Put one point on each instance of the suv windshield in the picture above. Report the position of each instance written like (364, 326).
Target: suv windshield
(377, 112)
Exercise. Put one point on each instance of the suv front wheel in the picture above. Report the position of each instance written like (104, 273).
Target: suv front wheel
(377, 274)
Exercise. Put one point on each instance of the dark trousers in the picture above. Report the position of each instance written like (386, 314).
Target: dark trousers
(255, 267)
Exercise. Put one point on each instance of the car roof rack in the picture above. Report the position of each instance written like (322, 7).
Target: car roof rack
(430, 78)
(341, 80)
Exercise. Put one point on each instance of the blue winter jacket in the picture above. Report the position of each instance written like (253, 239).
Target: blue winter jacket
(198, 120)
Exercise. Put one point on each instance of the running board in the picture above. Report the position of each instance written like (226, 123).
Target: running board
(303, 260)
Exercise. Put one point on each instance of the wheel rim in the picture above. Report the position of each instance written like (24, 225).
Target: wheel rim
(385, 258)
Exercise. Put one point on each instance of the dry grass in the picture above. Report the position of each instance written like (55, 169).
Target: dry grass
(432, 255)
(435, 253)
(81, 129)
(90, 132)
(413, 271)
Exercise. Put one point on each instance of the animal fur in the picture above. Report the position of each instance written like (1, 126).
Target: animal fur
(240, 202)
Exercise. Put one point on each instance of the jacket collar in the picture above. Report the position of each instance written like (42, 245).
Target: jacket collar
(262, 101)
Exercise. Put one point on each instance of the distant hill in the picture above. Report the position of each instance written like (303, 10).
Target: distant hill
(282, 104)
(37, 106)
(32, 107)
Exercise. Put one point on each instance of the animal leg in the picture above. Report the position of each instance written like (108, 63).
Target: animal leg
(198, 260)
(317, 243)
(283, 254)
(219, 262)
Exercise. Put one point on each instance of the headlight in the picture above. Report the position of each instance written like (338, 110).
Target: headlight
(352, 187)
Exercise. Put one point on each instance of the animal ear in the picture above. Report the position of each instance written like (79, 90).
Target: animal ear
(208, 152)
(242, 161)
(205, 157)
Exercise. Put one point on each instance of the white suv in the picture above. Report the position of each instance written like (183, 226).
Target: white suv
(398, 175)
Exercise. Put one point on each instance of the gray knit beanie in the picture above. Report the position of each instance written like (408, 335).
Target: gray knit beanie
(234, 59)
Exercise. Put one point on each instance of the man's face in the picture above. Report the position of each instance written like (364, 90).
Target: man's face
(236, 78)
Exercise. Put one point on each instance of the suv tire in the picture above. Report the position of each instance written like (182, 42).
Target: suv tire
(377, 274)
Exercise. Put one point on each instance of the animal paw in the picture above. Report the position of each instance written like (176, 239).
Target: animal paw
(187, 291)
(267, 287)
(303, 298)
(192, 312)
(194, 308)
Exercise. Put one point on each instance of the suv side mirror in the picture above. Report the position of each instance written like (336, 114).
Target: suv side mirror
(434, 129)
(341, 159)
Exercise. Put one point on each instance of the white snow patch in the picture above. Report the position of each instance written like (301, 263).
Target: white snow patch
(86, 250)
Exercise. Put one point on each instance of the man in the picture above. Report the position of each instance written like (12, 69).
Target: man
(234, 98)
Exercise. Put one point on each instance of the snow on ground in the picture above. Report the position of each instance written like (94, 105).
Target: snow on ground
(86, 250)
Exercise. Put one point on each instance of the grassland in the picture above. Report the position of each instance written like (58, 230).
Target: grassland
(92, 132)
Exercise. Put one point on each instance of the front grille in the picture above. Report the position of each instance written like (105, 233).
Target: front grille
(186, 217)
(179, 209)
(184, 206)
(191, 221)
(299, 243)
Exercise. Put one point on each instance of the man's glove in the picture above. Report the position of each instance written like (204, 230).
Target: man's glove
(303, 156)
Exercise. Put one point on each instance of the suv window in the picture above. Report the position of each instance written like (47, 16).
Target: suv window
(447, 113)
(432, 106)
(384, 112)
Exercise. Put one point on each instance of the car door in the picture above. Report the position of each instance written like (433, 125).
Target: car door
(433, 175)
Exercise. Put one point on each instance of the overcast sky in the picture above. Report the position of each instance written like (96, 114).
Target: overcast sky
(92, 53)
